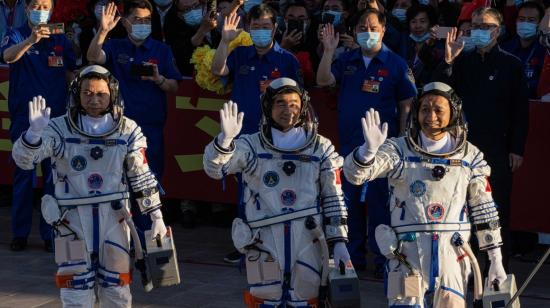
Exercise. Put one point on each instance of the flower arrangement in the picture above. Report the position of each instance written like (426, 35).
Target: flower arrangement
(202, 60)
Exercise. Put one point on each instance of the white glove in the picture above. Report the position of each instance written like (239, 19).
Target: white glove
(341, 253)
(496, 270)
(39, 117)
(231, 121)
(158, 227)
(374, 134)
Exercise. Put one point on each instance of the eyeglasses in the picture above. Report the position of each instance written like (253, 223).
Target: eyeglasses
(483, 26)
(90, 94)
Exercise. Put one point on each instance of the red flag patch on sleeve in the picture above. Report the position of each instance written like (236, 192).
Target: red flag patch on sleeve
(337, 175)
(142, 150)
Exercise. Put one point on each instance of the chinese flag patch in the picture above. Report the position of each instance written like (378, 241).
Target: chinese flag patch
(337, 175)
(488, 186)
(142, 150)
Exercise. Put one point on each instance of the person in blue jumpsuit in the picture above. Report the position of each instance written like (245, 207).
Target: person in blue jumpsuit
(250, 69)
(144, 96)
(525, 44)
(36, 58)
(13, 15)
(369, 77)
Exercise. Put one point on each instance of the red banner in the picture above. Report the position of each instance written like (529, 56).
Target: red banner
(193, 122)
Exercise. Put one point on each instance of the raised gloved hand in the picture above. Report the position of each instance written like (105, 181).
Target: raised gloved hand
(158, 227)
(231, 122)
(341, 253)
(39, 117)
(496, 270)
(374, 134)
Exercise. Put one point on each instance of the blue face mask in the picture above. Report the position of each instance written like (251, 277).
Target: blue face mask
(481, 38)
(400, 14)
(337, 17)
(193, 17)
(424, 2)
(261, 38)
(140, 31)
(526, 29)
(249, 4)
(518, 2)
(420, 39)
(468, 43)
(368, 40)
(37, 17)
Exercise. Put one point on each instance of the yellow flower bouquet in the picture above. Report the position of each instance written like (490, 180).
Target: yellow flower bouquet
(202, 60)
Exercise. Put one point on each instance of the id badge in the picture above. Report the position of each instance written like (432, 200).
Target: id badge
(371, 86)
(55, 61)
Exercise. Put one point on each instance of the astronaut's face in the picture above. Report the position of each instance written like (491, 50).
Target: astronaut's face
(434, 115)
(95, 97)
(286, 110)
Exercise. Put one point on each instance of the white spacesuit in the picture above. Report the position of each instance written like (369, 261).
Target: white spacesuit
(95, 161)
(439, 193)
(291, 179)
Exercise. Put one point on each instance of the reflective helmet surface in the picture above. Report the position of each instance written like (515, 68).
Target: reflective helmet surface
(74, 106)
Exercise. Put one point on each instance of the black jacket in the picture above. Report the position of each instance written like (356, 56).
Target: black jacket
(494, 96)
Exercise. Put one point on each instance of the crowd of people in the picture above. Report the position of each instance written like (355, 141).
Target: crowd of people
(379, 54)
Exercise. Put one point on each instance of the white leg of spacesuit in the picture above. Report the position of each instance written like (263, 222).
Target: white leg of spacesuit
(115, 297)
(72, 298)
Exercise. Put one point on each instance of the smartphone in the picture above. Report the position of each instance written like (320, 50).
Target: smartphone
(294, 24)
(57, 28)
(142, 70)
(441, 32)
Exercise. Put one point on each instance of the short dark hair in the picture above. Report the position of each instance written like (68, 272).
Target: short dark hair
(27, 2)
(489, 11)
(345, 4)
(532, 5)
(298, 3)
(131, 5)
(257, 11)
(414, 10)
(365, 13)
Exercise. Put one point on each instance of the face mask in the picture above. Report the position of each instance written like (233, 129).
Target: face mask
(424, 2)
(400, 14)
(249, 4)
(337, 17)
(163, 2)
(420, 39)
(481, 38)
(526, 29)
(140, 31)
(468, 43)
(518, 2)
(193, 17)
(368, 40)
(98, 11)
(37, 17)
(261, 38)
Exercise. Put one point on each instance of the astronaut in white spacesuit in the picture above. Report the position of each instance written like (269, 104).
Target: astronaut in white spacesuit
(292, 190)
(97, 155)
(439, 192)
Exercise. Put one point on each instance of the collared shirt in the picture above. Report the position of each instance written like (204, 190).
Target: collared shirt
(144, 101)
(494, 95)
(532, 58)
(15, 17)
(386, 81)
(249, 73)
(40, 71)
